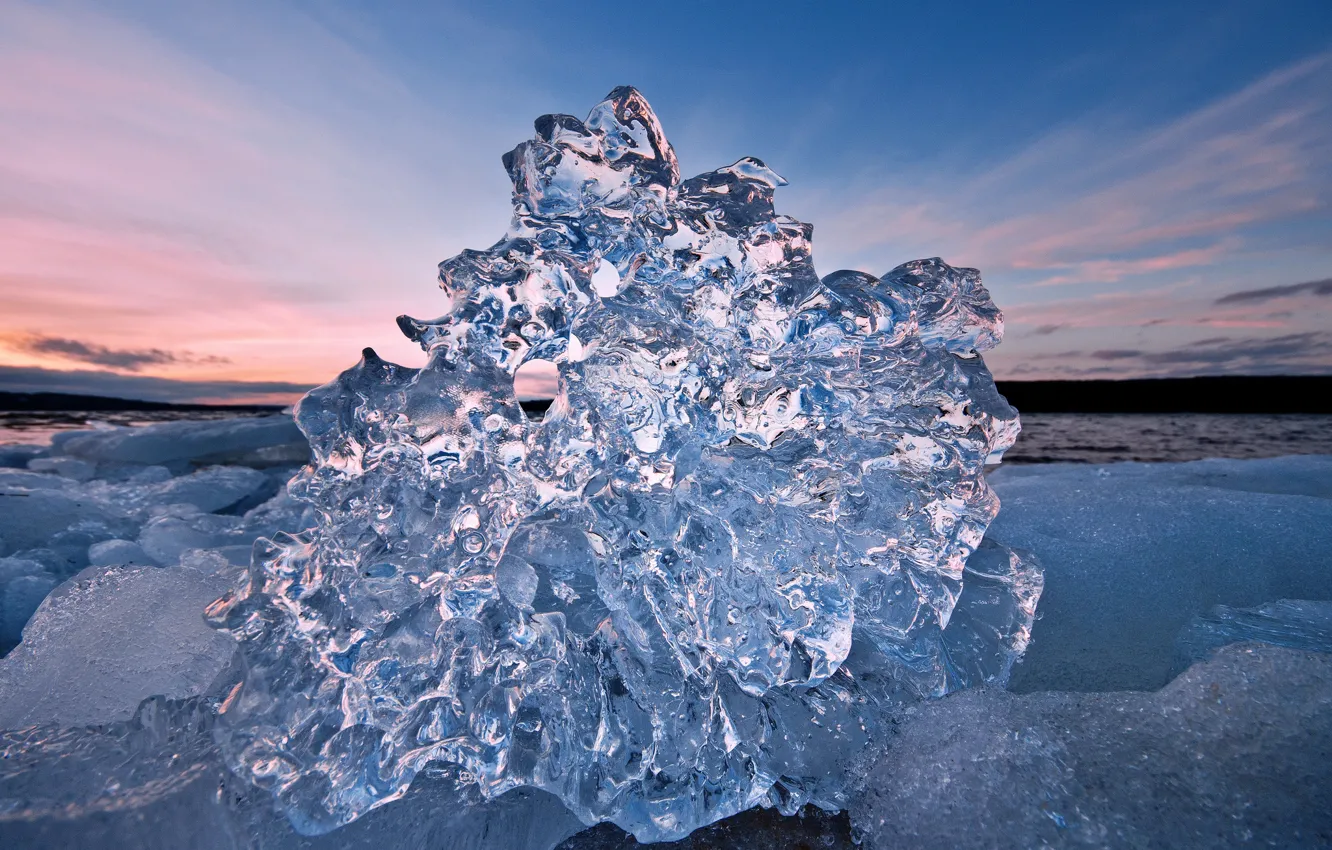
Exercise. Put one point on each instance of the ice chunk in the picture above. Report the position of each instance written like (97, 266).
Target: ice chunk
(14, 479)
(1133, 551)
(140, 476)
(31, 518)
(12, 568)
(58, 440)
(166, 538)
(110, 637)
(1295, 623)
(66, 467)
(26, 577)
(156, 780)
(174, 443)
(215, 488)
(1233, 753)
(739, 535)
(19, 598)
(18, 456)
(118, 553)
(280, 513)
(57, 515)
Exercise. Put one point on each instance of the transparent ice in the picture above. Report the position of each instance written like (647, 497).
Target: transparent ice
(749, 524)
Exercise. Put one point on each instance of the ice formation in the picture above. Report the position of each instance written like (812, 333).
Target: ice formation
(751, 519)
(1304, 624)
(77, 666)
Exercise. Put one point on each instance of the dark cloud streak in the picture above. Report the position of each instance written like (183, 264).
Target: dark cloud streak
(1046, 330)
(1298, 353)
(130, 360)
(1321, 288)
(1116, 354)
(1267, 351)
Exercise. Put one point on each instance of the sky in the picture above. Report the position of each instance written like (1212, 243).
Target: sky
(227, 201)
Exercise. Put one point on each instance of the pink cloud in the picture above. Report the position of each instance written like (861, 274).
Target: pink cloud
(1112, 271)
(537, 379)
(153, 201)
(1242, 323)
(1098, 207)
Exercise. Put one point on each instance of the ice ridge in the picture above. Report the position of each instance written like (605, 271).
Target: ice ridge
(749, 524)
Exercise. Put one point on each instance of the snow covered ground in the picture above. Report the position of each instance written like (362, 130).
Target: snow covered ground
(113, 542)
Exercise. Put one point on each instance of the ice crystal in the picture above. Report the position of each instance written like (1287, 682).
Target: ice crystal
(750, 522)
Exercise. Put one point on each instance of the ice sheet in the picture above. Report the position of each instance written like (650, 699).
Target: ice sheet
(1239, 744)
(1133, 551)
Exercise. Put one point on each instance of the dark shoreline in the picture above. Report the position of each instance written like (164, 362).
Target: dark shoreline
(11, 402)
(1311, 394)
(1230, 394)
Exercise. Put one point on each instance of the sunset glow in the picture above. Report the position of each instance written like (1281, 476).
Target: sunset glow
(243, 201)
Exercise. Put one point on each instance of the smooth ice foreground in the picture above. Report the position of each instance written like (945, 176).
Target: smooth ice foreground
(748, 524)
(1233, 753)
(1134, 551)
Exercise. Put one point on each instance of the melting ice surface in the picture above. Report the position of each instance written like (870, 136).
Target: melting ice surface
(750, 523)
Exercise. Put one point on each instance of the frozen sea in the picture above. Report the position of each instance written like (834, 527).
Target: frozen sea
(1144, 713)
(1046, 437)
(36, 428)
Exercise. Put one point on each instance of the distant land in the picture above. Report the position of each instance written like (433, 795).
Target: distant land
(69, 402)
(1222, 394)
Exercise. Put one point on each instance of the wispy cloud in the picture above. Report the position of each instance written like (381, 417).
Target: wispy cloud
(1113, 271)
(1300, 353)
(1096, 207)
(1115, 354)
(1293, 352)
(271, 215)
(1046, 330)
(127, 359)
(1321, 288)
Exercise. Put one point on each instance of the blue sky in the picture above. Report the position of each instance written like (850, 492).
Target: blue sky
(244, 194)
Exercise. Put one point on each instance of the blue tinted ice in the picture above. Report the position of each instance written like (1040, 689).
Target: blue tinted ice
(749, 523)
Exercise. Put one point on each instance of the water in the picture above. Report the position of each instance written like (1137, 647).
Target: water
(1167, 437)
(1046, 437)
